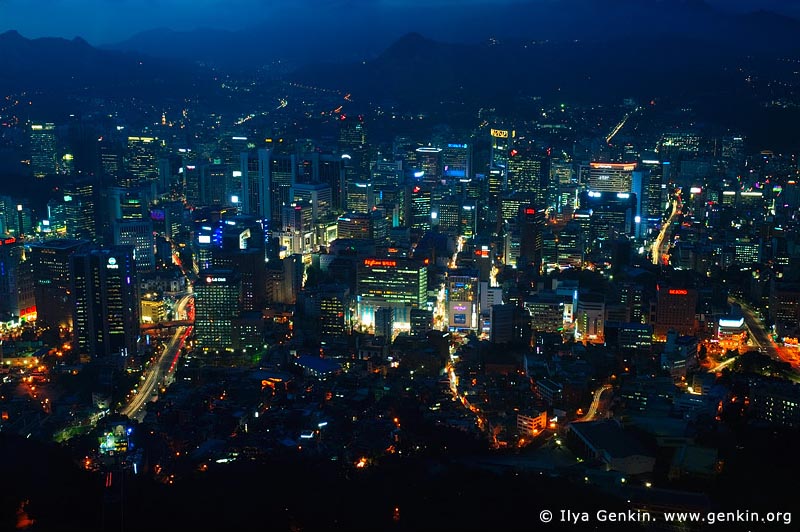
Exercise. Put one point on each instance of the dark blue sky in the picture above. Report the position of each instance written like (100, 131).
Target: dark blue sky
(109, 21)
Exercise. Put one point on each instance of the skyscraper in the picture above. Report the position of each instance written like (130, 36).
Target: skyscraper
(141, 161)
(43, 149)
(50, 265)
(217, 296)
(105, 308)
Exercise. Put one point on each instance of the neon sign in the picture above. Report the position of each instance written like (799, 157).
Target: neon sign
(677, 292)
(380, 262)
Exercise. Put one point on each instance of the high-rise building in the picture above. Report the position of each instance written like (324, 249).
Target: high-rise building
(429, 163)
(360, 197)
(456, 161)
(255, 200)
(420, 207)
(138, 234)
(317, 195)
(531, 227)
(217, 296)
(610, 177)
(675, 309)
(526, 173)
(141, 161)
(43, 149)
(391, 282)
(17, 297)
(462, 299)
(105, 309)
(215, 184)
(111, 160)
(50, 265)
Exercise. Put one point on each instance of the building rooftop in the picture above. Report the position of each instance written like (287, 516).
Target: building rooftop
(610, 437)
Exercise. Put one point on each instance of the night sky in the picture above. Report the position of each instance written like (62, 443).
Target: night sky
(110, 21)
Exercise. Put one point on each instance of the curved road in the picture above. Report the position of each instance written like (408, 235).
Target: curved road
(159, 371)
(598, 396)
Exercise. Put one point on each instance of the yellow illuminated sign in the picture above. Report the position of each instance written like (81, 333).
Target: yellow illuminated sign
(500, 133)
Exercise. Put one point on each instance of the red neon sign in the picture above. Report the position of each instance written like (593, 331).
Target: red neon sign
(380, 262)
(676, 292)
(530, 211)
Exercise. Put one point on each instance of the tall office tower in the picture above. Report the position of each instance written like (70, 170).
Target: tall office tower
(654, 205)
(50, 265)
(611, 216)
(105, 307)
(526, 173)
(501, 144)
(675, 309)
(335, 311)
(360, 197)
(111, 160)
(191, 183)
(215, 184)
(610, 177)
(293, 275)
(317, 195)
(352, 133)
(447, 215)
(81, 198)
(495, 185)
(531, 226)
(138, 235)
(393, 201)
(165, 175)
(353, 142)
(429, 162)
(217, 302)
(231, 147)
(387, 174)
(462, 299)
(397, 283)
(17, 297)
(570, 245)
(632, 296)
(332, 172)
(420, 209)
(141, 161)
(251, 268)
(640, 188)
(43, 149)
(468, 222)
(255, 198)
(282, 174)
(456, 161)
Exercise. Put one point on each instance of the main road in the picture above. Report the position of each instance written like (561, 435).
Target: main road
(762, 339)
(595, 406)
(160, 371)
(662, 240)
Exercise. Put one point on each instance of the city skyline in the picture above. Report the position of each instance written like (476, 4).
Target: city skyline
(535, 267)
